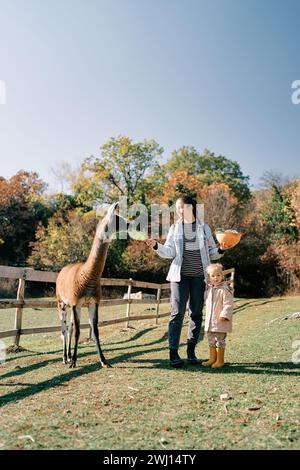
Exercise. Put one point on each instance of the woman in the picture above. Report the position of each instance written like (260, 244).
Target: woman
(192, 247)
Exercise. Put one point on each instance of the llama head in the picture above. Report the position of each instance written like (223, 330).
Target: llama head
(113, 224)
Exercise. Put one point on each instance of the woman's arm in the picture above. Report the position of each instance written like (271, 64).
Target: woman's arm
(214, 251)
(167, 250)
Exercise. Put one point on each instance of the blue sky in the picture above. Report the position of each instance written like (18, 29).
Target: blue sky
(213, 74)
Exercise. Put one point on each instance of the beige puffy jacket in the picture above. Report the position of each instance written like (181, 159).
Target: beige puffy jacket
(219, 303)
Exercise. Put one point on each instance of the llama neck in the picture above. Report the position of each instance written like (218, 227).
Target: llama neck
(97, 257)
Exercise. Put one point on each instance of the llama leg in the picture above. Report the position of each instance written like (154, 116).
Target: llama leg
(93, 316)
(70, 331)
(76, 320)
(63, 321)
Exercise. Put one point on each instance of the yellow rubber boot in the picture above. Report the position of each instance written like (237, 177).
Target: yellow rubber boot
(212, 357)
(220, 358)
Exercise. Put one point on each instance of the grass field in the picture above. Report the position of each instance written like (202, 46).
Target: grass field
(142, 403)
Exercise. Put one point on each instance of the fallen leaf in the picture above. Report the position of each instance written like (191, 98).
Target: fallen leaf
(163, 441)
(224, 397)
(27, 436)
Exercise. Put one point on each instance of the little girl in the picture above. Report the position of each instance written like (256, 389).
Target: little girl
(218, 317)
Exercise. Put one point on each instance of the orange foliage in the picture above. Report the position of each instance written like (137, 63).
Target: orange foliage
(219, 205)
(19, 187)
(180, 183)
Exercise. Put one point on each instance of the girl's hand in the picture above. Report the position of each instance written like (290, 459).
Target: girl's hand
(151, 242)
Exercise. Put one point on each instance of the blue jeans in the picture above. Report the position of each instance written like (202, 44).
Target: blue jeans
(194, 288)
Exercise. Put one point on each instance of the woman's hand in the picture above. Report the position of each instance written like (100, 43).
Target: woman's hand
(151, 242)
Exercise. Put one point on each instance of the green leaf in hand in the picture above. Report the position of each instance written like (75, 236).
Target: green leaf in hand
(136, 235)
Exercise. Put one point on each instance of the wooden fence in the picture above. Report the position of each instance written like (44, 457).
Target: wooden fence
(28, 274)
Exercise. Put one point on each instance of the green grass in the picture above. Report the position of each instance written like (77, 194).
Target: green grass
(142, 403)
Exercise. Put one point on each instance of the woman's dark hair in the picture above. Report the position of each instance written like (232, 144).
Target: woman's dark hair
(191, 201)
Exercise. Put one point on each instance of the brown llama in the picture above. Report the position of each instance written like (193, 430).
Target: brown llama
(80, 282)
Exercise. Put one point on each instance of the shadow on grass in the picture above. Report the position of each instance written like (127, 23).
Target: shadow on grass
(120, 360)
(257, 368)
(17, 384)
(45, 385)
(60, 380)
(128, 356)
(138, 335)
(23, 370)
(273, 368)
(264, 368)
(128, 360)
(30, 353)
(152, 343)
(38, 365)
(253, 303)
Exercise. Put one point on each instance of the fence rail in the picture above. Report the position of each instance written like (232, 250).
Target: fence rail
(28, 274)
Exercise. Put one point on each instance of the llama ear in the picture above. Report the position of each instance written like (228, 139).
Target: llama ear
(112, 208)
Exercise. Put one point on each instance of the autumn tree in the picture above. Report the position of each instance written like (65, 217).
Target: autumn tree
(280, 217)
(22, 208)
(67, 239)
(210, 169)
(282, 220)
(63, 241)
(119, 171)
(220, 206)
(178, 183)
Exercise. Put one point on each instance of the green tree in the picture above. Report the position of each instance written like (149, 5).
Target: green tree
(119, 171)
(280, 217)
(210, 169)
(63, 203)
(68, 239)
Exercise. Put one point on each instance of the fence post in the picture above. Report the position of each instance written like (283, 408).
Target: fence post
(157, 304)
(232, 279)
(19, 310)
(128, 302)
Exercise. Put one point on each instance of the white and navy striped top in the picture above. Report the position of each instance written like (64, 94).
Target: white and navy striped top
(191, 263)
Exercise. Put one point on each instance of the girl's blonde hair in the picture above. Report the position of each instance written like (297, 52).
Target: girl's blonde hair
(213, 267)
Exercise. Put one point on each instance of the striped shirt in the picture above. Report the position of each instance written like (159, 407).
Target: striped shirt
(191, 263)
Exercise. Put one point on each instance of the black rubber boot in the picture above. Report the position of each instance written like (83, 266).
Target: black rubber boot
(175, 359)
(191, 356)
